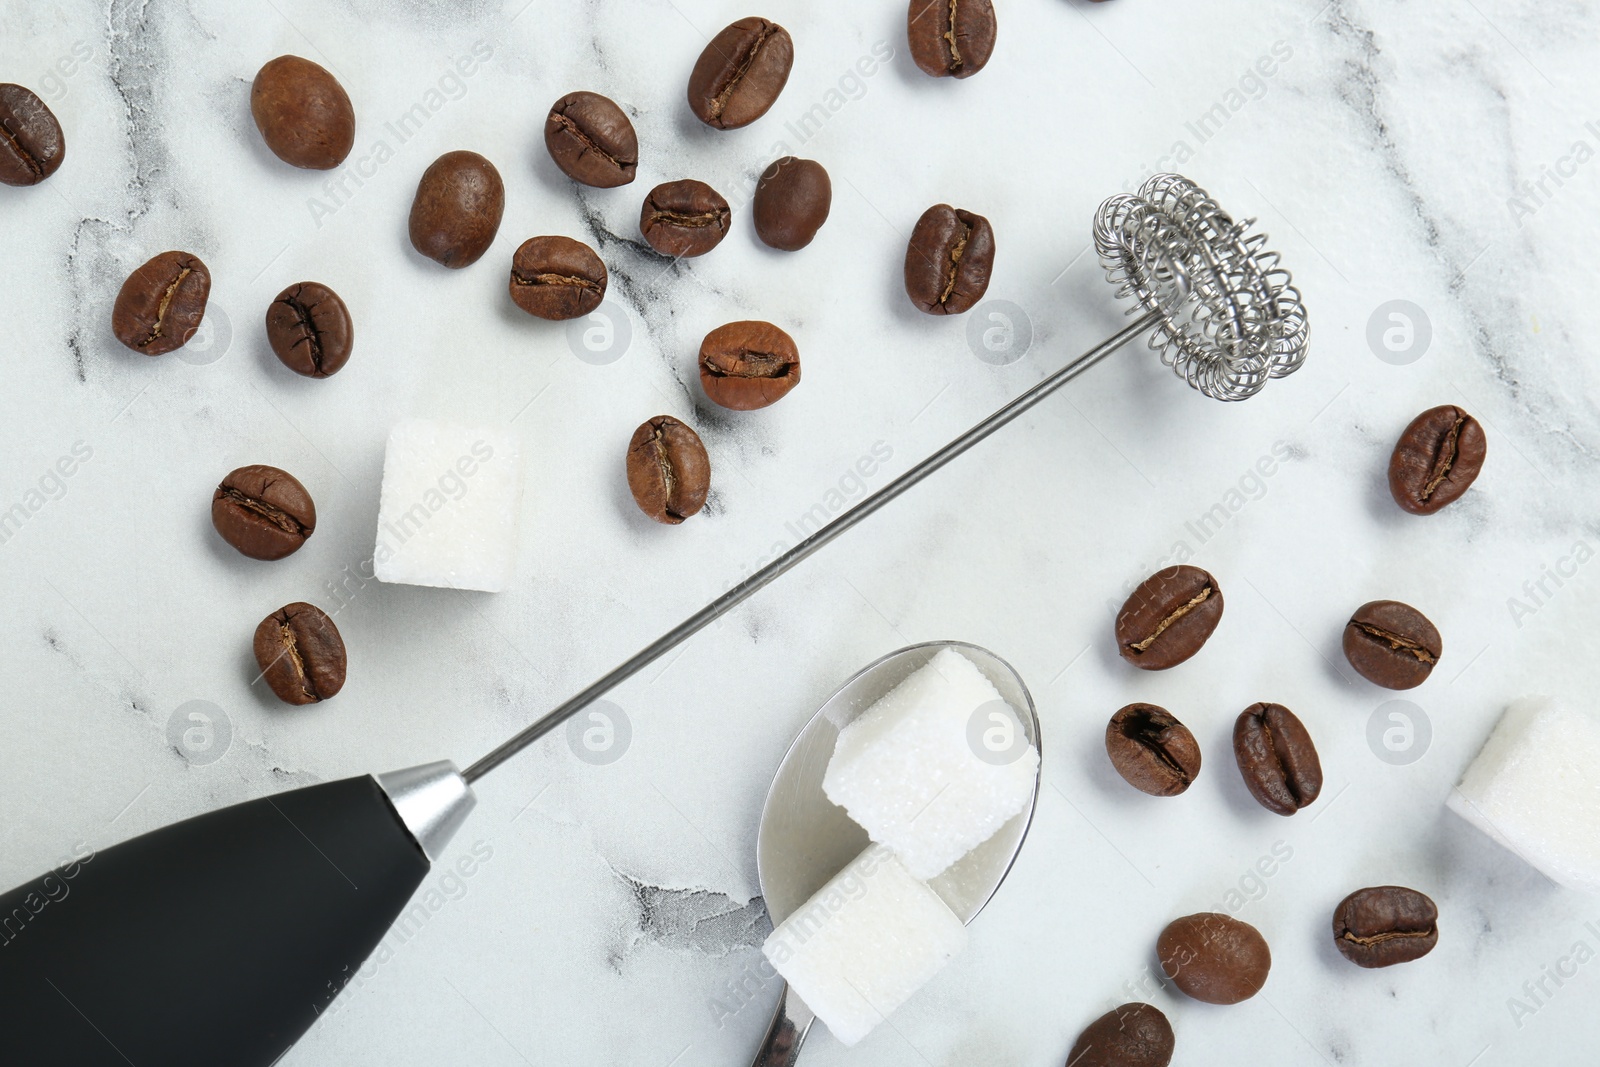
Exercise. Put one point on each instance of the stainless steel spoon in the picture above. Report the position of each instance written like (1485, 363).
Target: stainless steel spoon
(806, 839)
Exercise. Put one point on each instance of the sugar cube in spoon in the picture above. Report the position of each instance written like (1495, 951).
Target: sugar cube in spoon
(864, 943)
(936, 767)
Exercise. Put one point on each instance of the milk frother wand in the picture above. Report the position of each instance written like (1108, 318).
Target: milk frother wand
(218, 941)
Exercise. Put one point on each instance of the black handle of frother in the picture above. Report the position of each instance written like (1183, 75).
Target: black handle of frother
(215, 942)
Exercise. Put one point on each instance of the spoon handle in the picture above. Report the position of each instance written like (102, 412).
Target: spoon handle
(790, 1024)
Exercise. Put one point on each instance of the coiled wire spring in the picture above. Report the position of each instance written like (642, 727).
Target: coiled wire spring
(1230, 316)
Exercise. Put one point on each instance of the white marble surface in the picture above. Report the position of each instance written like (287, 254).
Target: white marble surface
(617, 915)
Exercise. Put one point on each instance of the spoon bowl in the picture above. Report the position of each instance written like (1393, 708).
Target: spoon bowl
(805, 839)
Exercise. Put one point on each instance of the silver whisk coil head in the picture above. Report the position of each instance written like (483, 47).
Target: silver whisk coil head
(1230, 316)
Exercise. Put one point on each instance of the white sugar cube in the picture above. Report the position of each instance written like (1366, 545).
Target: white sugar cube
(447, 515)
(935, 767)
(1535, 788)
(866, 942)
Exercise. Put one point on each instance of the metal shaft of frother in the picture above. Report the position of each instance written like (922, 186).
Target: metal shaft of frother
(748, 587)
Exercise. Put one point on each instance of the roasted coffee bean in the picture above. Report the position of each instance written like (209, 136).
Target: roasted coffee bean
(162, 303)
(1436, 459)
(791, 203)
(31, 142)
(557, 278)
(1134, 1035)
(457, 209)
(1168, 618)
(301, 654)
(951, 38)
(668, 470)
(592, 141)
(1277, 758)
(1385, 925)
(740, 73)
(1154, 751)
(309, 329)
(748, 365)
(948, 260)
(1392, 644)
(303, 113)
(1214, 957)
(263, 512)
(684, 218)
